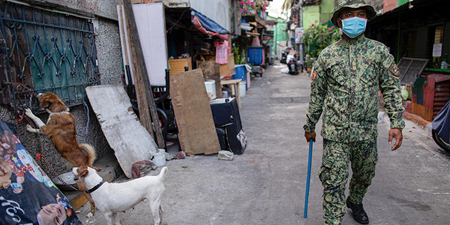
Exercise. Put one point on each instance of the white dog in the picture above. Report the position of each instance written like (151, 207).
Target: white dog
(111, 198)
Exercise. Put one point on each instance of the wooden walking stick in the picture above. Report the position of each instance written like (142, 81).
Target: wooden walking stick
(305, 215)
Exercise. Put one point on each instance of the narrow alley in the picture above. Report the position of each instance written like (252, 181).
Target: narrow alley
(266, 184)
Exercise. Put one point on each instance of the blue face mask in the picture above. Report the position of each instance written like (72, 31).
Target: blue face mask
(354, 26)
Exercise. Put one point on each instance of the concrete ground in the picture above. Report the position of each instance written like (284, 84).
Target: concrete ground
(266, 184)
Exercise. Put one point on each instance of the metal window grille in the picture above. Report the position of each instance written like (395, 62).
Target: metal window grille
(46, 51)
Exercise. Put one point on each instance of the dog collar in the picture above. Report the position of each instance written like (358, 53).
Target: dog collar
(94, 188)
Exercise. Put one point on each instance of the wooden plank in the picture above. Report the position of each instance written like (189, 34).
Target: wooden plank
(197, 132)
(130, 141)
(78, 201)
(422, 111)
(125, 43)
(146, 102)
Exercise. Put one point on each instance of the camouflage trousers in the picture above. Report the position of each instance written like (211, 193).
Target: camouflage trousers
(334, 174)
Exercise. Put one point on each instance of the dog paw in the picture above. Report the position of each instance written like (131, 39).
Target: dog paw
(28, 112)
(30, 128)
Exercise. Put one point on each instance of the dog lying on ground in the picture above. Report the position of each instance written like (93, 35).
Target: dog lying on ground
(61, 130)
(112, 198)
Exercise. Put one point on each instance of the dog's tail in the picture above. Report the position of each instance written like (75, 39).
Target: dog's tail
(162, 174)
(90, 152)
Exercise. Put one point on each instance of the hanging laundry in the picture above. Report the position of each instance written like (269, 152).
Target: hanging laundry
(222, 50)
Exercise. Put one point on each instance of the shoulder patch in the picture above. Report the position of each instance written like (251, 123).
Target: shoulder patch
(394, 70)
(313, 76)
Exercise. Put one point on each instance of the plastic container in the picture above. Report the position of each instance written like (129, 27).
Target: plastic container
(159, 158)
(211, 87)
(242, 88)
(224, 94)
(255, 54)
(241, 72)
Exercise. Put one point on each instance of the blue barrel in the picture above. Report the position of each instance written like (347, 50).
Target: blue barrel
(255, 54)
(241, 73)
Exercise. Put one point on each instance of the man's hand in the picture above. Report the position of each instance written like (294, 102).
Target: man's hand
(309, 136)
(397, 134)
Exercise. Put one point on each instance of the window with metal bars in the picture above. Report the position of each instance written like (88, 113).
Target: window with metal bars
(44, 50)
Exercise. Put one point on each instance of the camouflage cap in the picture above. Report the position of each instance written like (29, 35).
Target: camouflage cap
(354, 4)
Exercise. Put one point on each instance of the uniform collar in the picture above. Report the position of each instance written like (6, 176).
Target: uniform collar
(353, 40)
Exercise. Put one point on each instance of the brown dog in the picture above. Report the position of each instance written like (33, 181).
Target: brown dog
(61, 130)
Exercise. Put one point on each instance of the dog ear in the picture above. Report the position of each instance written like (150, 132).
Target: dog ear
(82, 171)
(44, 102)
(58, 105)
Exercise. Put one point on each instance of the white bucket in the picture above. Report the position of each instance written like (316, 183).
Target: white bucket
(159, 158)
(211, 87)
(242, 88)
(224, 94)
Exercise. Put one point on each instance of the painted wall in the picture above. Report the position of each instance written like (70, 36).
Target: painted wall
(389, 5)
(326, 10)
(401, 2)
(311, 15)
(280, 37)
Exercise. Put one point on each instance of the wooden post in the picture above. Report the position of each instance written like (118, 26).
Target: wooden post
(146, 102)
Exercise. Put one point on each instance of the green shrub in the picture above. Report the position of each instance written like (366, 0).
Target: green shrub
(318, 37)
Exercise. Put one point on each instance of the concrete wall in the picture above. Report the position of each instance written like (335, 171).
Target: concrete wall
(107, 37)
(110, 68)
(101, 8)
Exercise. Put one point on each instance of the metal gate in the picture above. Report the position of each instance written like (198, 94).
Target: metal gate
(45, 50)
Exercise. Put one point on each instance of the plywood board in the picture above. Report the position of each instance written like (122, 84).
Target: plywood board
(197, 132)
(130, 141)
(151, 25)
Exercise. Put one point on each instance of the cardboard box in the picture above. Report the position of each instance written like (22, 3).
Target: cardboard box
(231, 64)
(177, 65)
(225, 69)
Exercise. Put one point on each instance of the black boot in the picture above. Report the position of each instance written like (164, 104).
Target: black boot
(358, 212)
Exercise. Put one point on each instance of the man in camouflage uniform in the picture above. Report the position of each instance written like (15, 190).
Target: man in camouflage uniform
(347, 77)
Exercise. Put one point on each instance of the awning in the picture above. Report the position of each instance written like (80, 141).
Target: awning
(207, 25)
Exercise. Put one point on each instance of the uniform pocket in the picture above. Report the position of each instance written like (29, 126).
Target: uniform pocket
(336, 111)
(368, 74)
(365, 108)
(336, 73)
(333, 174)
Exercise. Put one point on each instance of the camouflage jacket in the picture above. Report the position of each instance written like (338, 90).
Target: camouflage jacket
(345, 87)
